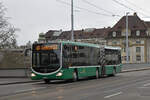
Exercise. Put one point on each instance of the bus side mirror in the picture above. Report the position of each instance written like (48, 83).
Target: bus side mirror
(27, 52)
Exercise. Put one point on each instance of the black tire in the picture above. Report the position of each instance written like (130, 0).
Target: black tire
(114, 72)
(97, 74)
(46, 81)
(75, 76)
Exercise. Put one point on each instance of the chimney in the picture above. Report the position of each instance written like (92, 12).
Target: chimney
(135, 14)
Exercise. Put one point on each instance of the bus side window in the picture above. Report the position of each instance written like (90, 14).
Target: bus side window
(65, 52)
(119, 57)
(67, 56)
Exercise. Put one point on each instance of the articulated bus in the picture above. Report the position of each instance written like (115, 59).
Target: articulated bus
(73, 60)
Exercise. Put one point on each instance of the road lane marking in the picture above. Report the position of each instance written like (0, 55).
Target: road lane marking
(20, 84)
(60, 97)
(146, 84)
(112, 95)
(126, 86)
(33, 89)
(142, 87)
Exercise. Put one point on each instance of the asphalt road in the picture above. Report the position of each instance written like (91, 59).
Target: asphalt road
(124, 86)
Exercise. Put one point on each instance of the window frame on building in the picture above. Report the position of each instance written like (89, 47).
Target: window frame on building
(138, 42)
(114, 34)
(138, 57)
(114, 42)
(123, 33)
(138, 49)
(124, 58)
(138, 33)
(147, 33)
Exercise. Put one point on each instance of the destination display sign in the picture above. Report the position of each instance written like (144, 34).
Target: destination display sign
(46, 47)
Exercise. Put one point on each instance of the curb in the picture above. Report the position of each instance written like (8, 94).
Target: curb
(14, 77)
(132, 70)
(22, 82)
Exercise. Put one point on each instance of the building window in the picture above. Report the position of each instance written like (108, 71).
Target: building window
(138, 58)
(124, 42)
(147, 33)
(138, 42)
(124, 58)
(114, 34)
(114, 42)
(123, 33)
(138, 33)
(124, 49)
(138, 49)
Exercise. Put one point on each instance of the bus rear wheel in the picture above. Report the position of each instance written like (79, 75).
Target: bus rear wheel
(75, 76)
(97, 74)
(46, 81)
(114, 72)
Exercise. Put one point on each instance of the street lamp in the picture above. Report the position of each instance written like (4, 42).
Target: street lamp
(72, 22)
(127, 46)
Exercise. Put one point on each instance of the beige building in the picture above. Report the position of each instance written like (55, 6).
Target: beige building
(139, 38)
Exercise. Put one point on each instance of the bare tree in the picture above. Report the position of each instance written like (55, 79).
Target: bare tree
(7, 31)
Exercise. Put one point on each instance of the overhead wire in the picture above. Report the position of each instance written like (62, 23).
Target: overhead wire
(93, 5)
(85, 9)
(127, 7)
(129, 2)
(123, 5)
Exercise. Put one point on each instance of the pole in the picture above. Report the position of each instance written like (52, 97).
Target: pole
(72, 22)
(127, 47)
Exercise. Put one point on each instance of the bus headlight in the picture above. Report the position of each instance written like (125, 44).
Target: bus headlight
(33, 75)
(59, 74)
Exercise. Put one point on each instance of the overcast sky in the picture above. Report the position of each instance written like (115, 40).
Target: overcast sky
(36, 16)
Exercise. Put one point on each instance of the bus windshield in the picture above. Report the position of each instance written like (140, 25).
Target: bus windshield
(46, 57)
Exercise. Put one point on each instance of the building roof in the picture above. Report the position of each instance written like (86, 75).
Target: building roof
(49, 33)
(134, 23)
(147, 23)
(79, 34)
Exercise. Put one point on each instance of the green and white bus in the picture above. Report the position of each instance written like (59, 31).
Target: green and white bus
(73, 60)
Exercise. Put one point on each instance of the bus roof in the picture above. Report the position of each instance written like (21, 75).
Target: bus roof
(93, 45)
(81, 44)
(84, 44)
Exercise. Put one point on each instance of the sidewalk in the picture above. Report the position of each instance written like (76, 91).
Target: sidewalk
(7, 81)
(138, 69)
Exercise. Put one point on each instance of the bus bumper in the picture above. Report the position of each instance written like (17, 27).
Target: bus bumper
(61, 75)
